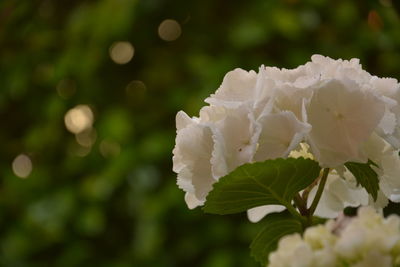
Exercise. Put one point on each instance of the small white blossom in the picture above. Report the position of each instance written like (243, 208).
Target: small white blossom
(292, 251)
(363, 241)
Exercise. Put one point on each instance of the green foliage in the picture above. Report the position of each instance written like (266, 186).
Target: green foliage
(276, 225)
(117, 203)
(365, 176)
(256, 184)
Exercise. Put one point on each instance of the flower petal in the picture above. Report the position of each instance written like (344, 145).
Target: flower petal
(256, 214)
(280, 133)
(238, 86)
(342, 119)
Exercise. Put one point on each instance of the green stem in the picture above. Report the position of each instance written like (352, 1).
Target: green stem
(301, 204)
(318, 195)
(294, 212)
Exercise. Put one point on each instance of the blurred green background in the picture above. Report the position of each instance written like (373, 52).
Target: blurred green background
(88, 96)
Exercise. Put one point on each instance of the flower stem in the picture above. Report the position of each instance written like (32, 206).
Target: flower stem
(318, 195)
(295, 213)
(301, 204)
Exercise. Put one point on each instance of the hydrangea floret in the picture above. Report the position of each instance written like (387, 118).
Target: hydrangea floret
(366, 240)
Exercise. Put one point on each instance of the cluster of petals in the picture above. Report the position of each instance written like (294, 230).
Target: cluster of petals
(333, 109)
(367, 240)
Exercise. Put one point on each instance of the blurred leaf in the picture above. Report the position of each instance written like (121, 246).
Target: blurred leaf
(91, 221)
(248, 33)
(116, 124)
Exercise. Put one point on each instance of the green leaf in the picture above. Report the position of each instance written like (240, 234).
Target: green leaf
(276, 226)
(262, 183)
(365, 176)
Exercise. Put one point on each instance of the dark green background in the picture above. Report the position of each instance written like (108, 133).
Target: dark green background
(126, 210)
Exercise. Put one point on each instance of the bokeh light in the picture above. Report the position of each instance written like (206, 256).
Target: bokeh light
(79, 119)
(169, 30)
(121, 52)
(22, 166)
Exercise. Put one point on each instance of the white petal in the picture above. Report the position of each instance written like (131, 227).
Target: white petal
(342, 118)
(212, 113)
(387, 123)
(395, 198)
(385, 86)
(287, 76)
(256, 214)
(351, 196)
(329, 205)
(239, 132)
(264, 94)
(193, 150)
(218, 158)
(288, 97)
(391, 170)
(281, 133)
(182, 120)
(191, 201)
(238, 86)
(388, 160)
(338, 194)
(380, 202)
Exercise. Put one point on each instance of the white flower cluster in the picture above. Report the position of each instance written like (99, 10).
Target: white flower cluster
(333, 108)
(368, 240)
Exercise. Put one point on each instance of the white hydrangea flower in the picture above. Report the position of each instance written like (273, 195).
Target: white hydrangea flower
(337, 110)
(362, 241)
